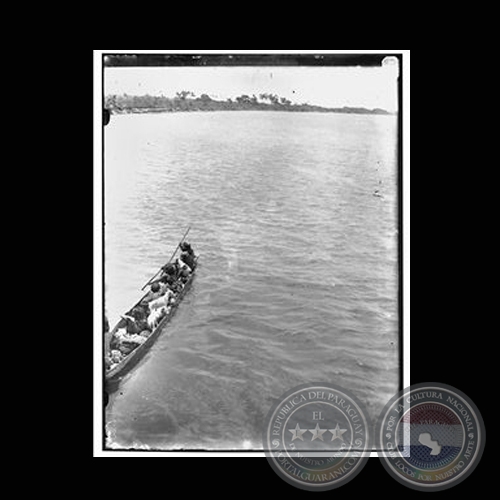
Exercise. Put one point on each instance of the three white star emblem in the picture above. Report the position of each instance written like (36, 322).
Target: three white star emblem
(317, 432)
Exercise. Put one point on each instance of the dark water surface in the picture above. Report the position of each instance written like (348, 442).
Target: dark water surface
(297, 279)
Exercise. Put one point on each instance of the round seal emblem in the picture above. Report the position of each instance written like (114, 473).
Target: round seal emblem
(430, 436)
(317, 437)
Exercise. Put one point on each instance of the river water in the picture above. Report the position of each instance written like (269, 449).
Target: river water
(297, 278)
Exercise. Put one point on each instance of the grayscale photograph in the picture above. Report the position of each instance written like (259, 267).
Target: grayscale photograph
(251, 240)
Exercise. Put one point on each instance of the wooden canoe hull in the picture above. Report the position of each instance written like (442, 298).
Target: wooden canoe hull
(119, 371)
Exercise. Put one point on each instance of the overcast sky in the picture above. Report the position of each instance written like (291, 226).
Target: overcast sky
(326, 86)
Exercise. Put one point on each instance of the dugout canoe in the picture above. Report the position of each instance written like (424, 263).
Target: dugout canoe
(128, 362)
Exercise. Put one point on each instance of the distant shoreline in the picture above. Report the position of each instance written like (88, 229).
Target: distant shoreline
(144, 111)
(125, 104)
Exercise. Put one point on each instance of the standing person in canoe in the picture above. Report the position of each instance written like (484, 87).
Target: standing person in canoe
(187, 257)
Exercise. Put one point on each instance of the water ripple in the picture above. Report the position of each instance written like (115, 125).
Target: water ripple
(298, 273)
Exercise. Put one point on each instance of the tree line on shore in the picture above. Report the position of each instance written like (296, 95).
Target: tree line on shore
(187, 101)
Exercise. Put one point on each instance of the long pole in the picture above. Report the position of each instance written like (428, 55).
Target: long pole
(175, 251)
